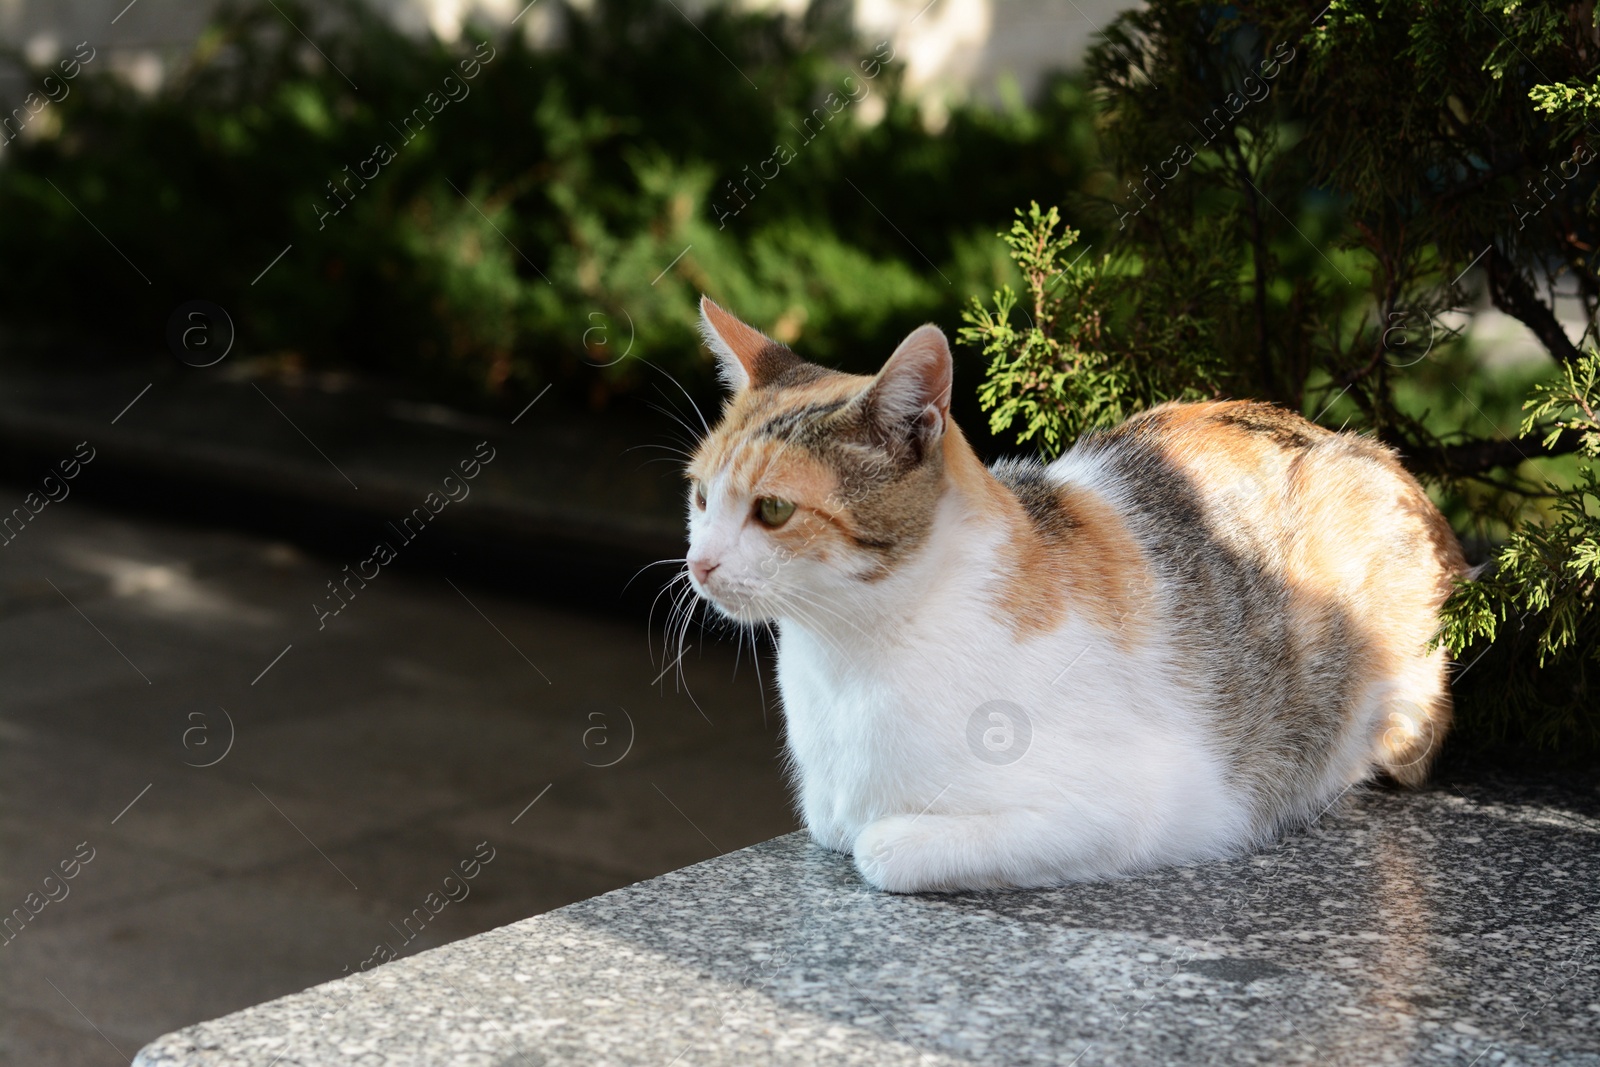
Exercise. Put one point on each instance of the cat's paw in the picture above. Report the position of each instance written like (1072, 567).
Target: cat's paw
(895, 854)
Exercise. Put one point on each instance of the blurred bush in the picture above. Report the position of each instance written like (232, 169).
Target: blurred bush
(481, 220)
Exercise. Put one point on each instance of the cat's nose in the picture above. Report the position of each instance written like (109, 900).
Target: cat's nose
(701, 569)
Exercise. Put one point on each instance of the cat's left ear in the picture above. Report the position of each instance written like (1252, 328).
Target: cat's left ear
(910, 400)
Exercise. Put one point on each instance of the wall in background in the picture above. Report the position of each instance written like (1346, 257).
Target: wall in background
(951, 47)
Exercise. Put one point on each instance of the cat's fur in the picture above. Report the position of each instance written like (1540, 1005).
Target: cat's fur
(1183, 636)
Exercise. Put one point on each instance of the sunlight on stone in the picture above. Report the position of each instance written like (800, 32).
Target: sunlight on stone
(1534, 815)
(167, 589)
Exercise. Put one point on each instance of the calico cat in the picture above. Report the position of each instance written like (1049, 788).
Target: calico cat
(1184, 636)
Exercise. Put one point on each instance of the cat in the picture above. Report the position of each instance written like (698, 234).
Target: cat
(1183, 637)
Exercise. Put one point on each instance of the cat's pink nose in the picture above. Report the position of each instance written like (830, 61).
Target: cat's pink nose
(701, 569)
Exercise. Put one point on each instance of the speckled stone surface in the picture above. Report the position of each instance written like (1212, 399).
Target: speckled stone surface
(1456, 926)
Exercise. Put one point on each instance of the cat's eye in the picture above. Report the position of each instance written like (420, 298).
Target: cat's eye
(773, 512)
(699, 496)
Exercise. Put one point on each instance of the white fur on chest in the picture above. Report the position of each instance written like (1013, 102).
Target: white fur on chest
(1093, 752)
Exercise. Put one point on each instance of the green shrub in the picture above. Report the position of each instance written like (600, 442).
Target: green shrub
(1293, 195)
(569, 206)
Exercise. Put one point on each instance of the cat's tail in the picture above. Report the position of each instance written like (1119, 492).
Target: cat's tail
(1417, 712)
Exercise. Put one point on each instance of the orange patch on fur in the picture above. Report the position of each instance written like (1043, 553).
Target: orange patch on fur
(1096, 569)
(969, 476)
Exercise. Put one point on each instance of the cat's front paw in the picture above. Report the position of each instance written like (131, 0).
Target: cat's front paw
(895, 854)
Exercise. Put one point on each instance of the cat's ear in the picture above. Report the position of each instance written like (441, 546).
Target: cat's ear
(910, 399)
(746, 357)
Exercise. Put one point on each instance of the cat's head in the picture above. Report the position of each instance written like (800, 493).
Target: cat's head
(815, 485)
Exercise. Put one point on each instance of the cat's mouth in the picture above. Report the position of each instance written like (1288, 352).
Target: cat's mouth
(741, 604)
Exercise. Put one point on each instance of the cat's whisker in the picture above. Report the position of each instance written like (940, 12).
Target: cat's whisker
(664, 448)
(682, 651)
(812, 602)
(820, 632)
(697, 707)
(677, 627)
(835, 612)
(647, 566)
(683, 648)
(660, 459)
(649, 628)
(688, 428)
(755, 659)
(683, 683)
(696, 407)
(681, 576)
(684, 604)
(738, 650)
(686, 619)
(745, 632)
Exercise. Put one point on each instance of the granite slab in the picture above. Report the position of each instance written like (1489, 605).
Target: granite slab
(1454, 926)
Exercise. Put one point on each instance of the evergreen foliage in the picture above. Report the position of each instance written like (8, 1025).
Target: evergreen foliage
(1098, 344)
(1303, 203)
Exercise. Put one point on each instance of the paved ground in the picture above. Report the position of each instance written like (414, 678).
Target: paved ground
(367, 763)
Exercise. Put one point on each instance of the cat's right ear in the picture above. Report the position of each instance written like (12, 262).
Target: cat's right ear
(746, 357)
